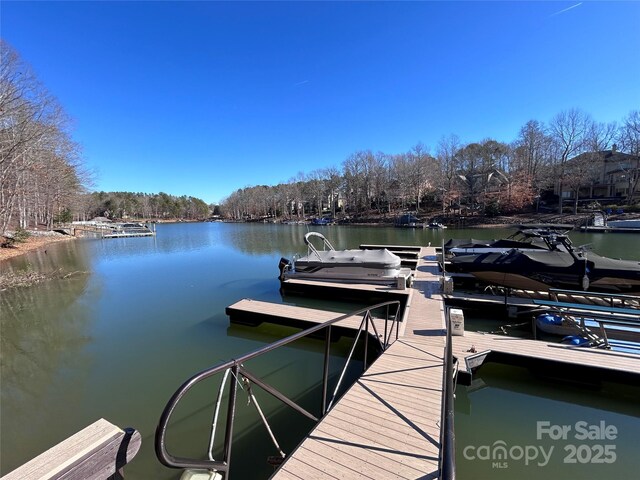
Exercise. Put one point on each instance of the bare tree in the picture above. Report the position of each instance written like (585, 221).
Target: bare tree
(354, 171)
(380, 180)
(420, 167)
(41, 171)
(447, 156)
(629, 139)
(532, 157)
(568, 130)
(333, 183)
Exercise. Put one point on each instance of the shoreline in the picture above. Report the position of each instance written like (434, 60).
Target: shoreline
(34, 242)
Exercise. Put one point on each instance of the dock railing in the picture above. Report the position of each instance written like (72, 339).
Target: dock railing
(240, 374)
(447, 459)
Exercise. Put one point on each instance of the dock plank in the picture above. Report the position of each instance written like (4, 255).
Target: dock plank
(536, 349)
(96, 452)
(247, 310)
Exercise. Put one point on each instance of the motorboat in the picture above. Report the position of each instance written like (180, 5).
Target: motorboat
(322, 221)
(325, 263)
(436, 225)
(560, 267)
(525, 240)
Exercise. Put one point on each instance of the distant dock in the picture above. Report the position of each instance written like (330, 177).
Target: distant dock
(108, 230)
(610, 229)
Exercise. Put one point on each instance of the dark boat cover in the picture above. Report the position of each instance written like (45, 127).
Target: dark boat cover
(556, 268)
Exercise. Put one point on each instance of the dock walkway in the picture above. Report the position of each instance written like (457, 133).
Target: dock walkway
(524, 349)
(388, 424)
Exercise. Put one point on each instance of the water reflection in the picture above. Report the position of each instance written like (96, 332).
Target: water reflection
(504, 405)
(41, 350)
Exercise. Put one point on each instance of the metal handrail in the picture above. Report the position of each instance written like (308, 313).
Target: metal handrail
(238, 371)
(447, 462)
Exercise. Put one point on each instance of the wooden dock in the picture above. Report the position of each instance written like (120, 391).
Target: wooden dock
(610, 229)
(388, 424)
(346, 291)
(254, 312)
(99, 451)
(106, 230)
(471, 348)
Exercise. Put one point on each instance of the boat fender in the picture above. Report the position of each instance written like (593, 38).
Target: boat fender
(585, 277)
(550, 319)
(575, 340)
(284, 266)
(585, 282)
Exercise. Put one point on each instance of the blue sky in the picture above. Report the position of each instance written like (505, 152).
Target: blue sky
(203, 98)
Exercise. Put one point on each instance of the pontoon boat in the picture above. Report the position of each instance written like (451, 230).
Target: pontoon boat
(352, 266)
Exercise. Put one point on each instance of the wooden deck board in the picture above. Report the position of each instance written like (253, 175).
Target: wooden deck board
(248, 309)
(537, 349)
(95, 452)
(337, 450)
(364, 287)
(370, 451)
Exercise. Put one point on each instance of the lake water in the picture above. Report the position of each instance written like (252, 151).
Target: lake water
(547, 428)
(128, 320)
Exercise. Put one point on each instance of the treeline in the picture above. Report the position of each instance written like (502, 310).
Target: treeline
(41, 172)
(42, 176)
(160, 206)
(487, 176)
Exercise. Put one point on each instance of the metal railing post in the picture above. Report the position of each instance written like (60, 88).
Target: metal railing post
(366, 340)
(386, 322)
(231, 412)
(325, 373)
(447, 433)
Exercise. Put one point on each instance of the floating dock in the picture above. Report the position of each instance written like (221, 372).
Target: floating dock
(474, 348)
(108, 230)
(388, 424)
(610, 229)
(254, 312)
